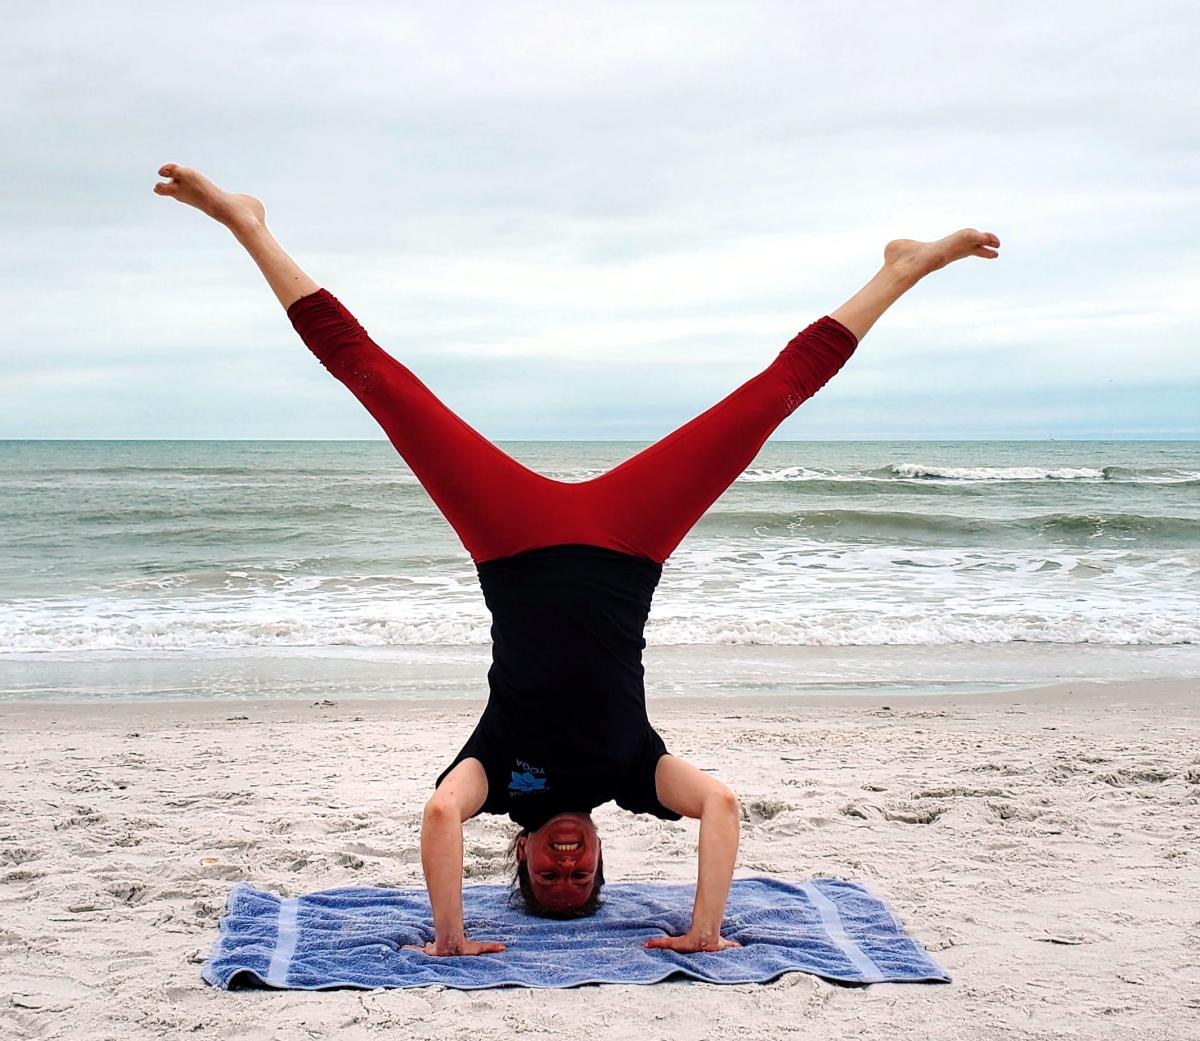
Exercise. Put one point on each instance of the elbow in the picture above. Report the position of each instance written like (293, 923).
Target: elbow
(724, 803)
(440, 811)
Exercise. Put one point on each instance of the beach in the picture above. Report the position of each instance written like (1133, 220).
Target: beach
(723, 365)
(227, 662)
(1043, 844)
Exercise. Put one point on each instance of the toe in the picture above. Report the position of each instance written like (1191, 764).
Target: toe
(166, 189)
(167, 169)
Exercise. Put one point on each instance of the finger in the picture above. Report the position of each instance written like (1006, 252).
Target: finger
(658, 941)
(413, 947)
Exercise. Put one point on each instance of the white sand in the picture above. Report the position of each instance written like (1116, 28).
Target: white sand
(1045, 845)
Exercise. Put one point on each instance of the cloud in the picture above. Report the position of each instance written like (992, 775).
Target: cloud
(592, 221)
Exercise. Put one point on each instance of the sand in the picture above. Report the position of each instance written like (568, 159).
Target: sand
(1045, 845)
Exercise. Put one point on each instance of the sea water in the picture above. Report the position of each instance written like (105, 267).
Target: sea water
(134, 569)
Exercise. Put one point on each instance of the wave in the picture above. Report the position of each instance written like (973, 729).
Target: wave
(895, 526)
(194, 516)
(298, 577)
(926, 473)
(112, 630)
(920, 471)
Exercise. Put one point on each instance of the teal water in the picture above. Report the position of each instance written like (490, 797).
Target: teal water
(133, 552)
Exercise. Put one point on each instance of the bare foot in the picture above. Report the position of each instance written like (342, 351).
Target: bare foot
(192, 187)
(920, 258)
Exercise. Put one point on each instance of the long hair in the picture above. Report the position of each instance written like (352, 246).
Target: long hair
(521, 891)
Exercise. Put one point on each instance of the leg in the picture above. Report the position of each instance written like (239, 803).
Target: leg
(905, 263)
(650, 502)
(245, 216)
(491, 500)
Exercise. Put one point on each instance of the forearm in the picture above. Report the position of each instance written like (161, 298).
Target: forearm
(442, 862)
(719, 825)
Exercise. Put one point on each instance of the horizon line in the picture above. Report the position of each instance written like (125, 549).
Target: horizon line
(605, 440)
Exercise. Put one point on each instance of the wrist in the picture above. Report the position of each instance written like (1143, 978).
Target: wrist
(449, 937)
(705, 933)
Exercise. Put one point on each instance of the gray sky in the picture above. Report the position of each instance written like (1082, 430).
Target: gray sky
(589, 220)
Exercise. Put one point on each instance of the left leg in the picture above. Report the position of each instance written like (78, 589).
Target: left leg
(244, 215)
(495, 505)
(649, 503)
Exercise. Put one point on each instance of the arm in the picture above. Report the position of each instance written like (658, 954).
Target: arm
(458, 797)
(689, 791)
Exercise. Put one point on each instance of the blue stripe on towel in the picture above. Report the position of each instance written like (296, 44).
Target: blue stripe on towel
(353, 938)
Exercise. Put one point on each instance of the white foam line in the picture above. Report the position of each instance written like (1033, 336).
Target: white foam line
(285, 943)
(832, 921)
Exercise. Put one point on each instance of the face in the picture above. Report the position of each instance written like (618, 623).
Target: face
(562, 856)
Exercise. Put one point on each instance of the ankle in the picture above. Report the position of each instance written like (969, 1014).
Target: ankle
(244, 225)
(902, 274)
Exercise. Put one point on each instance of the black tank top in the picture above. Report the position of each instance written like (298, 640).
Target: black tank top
(565, 727)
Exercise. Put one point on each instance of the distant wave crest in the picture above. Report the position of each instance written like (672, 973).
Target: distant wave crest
(899, 526)
(919, 471)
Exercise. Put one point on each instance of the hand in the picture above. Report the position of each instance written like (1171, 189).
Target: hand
(691, 943)
(461, 947)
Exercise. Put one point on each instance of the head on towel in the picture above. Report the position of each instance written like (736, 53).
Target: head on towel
(560, 867)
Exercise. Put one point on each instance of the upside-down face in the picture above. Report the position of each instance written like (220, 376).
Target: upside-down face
(562, 858)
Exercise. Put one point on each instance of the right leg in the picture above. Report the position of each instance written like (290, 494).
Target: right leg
(649, 503)
(495, 504)
(906, 262)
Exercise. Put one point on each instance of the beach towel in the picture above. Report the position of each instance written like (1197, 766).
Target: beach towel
(354, 938)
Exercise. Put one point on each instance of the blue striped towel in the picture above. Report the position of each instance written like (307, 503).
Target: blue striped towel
(353, 938)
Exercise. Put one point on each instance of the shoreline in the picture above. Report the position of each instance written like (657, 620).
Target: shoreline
(1180, 693)
(415, 674)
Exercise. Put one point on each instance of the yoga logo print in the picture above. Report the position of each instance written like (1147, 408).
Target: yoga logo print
(527, 778)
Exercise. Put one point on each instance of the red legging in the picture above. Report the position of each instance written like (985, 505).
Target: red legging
(499, 507)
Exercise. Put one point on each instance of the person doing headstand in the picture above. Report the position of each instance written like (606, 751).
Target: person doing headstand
(568, 570)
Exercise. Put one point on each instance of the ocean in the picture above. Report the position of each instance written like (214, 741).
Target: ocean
(233, 569)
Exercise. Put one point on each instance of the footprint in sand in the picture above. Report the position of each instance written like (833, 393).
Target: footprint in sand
(957, 791)
(79, 817)
(900, 813)
(914, 814)
(130, 893)
(1131, 776)
(1007, 811)
(755, 810)
(16, 855)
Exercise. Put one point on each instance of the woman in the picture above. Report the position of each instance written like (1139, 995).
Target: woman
(568, 571)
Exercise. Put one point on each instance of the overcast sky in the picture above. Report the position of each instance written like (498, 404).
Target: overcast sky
(593, 220)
